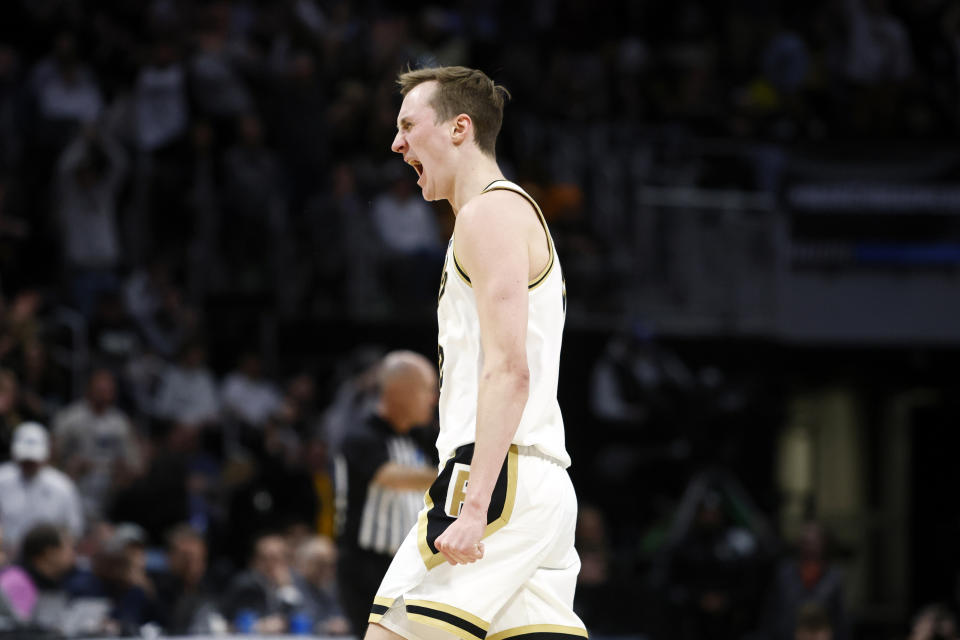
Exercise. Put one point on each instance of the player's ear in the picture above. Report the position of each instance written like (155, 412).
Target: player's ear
(460, 128)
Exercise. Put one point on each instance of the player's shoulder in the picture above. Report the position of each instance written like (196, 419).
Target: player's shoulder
(501, 210)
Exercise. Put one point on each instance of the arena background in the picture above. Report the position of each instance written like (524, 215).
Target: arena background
(756, 205)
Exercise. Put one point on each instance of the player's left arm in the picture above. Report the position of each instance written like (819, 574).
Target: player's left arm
(491, 245)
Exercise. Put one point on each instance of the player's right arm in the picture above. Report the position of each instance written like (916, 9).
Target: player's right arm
(492, 244)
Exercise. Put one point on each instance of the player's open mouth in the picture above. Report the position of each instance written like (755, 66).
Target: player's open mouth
(417, 167)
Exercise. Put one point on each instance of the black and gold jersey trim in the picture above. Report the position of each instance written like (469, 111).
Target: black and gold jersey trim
(461, 623)
(380, 607)
(538, 280)
(433, 520)
(541, 632)
(460, 270)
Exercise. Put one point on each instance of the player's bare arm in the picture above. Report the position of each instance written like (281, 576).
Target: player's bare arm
(496, 241)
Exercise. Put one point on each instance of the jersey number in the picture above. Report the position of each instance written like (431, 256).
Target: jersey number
(440, 362)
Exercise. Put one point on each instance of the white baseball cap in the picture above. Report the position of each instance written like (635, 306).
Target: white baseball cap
(30, 442)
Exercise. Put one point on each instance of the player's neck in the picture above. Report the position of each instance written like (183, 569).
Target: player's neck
(474, 178)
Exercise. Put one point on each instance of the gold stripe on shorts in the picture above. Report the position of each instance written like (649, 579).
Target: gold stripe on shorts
(549, 631)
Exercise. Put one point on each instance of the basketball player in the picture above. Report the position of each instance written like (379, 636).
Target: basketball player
(492, 554)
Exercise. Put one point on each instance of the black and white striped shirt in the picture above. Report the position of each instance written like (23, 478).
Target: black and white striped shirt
(374, 517)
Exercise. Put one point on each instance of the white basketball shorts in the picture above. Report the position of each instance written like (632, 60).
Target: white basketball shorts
(523, 586)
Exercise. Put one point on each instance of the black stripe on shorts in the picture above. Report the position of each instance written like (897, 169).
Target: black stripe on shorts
(449, 618)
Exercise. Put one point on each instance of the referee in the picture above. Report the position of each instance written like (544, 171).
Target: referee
(381, 477)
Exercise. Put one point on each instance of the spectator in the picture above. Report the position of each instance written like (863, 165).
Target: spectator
(280, 492)
(19, 325)
(95, 443)
(253, 203)
(316, 560)
(44, 385)
(156, 305)
(114, 338)
(807, 578)
(132, 540)
(34, 586)
(175, 487)
(218, 89)
(355, 395)
(346, 272)
(183, 587)
(252, 173)
(32, 492)
(188, 392)
(90, 171)
(160, 98)
(714, 575)
(141, 378)
(293, 105)
(118, 576)
(408, 231)
(64, 87)
(246, 396)
(266, 588)
(298, 408)
(381, 476)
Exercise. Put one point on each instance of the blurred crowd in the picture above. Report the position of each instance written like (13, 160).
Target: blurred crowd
(244, 143)
(161, 160)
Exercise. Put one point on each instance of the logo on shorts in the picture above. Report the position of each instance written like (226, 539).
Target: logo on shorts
(457, 491)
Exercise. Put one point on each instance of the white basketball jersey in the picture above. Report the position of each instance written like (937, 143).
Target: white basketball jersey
(461, 354)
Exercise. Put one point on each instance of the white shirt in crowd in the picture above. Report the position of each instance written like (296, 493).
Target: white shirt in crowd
(161, 105)
(59, 97)
(253, 401)
(49, 496)
(88, 215)
(101, 439)
(188, 396)
(407, 225)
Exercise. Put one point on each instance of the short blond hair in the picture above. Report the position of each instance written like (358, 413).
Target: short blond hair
(463, 90)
